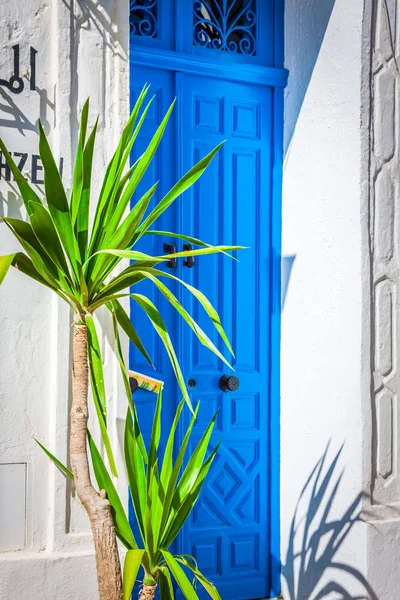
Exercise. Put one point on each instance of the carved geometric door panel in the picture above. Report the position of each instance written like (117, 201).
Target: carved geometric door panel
(228, 530)
(211, 56)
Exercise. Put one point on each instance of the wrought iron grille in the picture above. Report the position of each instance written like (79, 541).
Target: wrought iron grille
(227, 25)
(143, 19)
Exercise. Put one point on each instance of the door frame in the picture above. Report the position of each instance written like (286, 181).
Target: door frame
(275, 77)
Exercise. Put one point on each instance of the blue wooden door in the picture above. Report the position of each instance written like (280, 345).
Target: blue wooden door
(228, 530)
(228, 87)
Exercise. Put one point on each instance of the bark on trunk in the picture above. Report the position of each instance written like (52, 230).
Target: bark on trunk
(148, 592)
(96, 505)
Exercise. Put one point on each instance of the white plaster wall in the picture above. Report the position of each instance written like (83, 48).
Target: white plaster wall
(322, 317)
(45, 541)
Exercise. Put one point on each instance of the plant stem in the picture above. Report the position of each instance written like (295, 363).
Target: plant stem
(96, 505)
(148, 592)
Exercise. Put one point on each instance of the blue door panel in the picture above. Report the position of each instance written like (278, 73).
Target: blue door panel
(162, 169)
(228, 530)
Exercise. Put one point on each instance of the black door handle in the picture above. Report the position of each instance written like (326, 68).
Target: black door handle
(189, 262)
(170, 249)
(229, 383)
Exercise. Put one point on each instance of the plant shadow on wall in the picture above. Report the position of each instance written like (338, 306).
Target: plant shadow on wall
(286, 271)
(311, 570)
(97, 18)
(12, 117)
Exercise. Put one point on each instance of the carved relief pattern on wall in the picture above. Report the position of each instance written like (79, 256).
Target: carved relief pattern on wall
(385, 254)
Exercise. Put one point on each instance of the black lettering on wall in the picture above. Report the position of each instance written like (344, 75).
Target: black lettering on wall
(33, 69)
(5, 172)
(21, 163)
(36, 166)
(16, 84)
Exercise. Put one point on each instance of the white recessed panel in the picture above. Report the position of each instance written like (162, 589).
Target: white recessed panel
(12, 506)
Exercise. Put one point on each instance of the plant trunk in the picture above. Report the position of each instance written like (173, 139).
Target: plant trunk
(96, 505)
(148, 592)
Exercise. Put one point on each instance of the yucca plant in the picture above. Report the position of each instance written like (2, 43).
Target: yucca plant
(76, 257)
(163, 493)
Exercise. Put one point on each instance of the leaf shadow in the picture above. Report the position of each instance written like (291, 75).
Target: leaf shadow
(311, 571)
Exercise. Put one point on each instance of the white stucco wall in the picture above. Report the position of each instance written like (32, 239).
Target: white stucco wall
(322, 318)
(45, 540)
(340, 342)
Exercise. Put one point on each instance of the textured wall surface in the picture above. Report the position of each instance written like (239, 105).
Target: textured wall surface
(340, 337)
(323, 548)
(383, 178)
(381, 276)
(79, 50)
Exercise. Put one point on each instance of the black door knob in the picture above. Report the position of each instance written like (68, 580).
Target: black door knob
(229, 383)
(134, 385)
